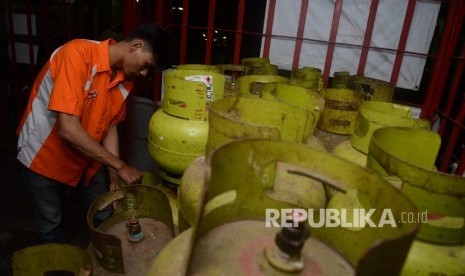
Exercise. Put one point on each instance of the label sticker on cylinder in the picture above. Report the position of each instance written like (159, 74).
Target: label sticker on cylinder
(208, 81)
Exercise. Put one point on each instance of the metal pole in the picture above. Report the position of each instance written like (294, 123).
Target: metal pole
(300, 33)
(210, 32)
(269, 28)
(240, 22)
(402, 41)
(185, 20)
(332, 41)
(441, 67)
(367, 39)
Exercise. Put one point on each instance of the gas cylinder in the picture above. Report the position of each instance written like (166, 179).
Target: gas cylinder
(231, 74)
(252, 86)
(373, 115)
(259, 66)
(243, 117)
(47, 259)
(239, 118)
(301, 97)
(253, 233)
(139, 227)
(340, 79)
(406, 157)
(340, 113)
(373, 89)
(200, 67)
(308, 77)
(187, 95)
(153, 180)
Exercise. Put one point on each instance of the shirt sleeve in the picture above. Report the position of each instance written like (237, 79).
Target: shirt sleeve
(120, 116)
(68, 68)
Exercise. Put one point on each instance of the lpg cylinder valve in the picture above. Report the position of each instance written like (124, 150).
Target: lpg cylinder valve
(135, 231)
(285, 253)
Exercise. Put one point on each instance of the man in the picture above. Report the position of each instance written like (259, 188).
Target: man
(69, 128)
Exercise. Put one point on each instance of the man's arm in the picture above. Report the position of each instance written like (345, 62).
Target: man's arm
(71, 130)
(111, 143)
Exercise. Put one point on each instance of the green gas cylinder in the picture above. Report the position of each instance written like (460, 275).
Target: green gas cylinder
(340, 113)
(187, 95)
(252, 86)
(139, 227)
(298, 96)
(252, 233)
(51, 259)
(308, 77)
(231, 73)
(373, 115)
(243, 117)
(259, 66)
(406, 157)
(340, 79)
(240, 118)
(200, 67)
(373, 89)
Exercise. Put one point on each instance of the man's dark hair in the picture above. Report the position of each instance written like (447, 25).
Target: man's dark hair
(158, 41)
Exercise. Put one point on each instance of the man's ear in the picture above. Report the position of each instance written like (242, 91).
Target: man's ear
(136, 44)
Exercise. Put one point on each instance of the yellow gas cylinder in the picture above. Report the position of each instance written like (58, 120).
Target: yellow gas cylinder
(253, 233)
(178, 131)
(153, 180)
(373, 115)
(298, 96)
(406, 157)
(139, 227)
(340, 79)
(239, 118)
(308, 77)
(200, 67)
(244, 117)
(259, 66)
(252, 86)
(373, 89)
(340, 113)
(231, 73)
(51, 259)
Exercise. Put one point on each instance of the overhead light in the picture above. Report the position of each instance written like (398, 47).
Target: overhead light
(180, 8)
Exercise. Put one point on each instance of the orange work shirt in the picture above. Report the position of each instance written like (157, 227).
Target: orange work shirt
(77, 80)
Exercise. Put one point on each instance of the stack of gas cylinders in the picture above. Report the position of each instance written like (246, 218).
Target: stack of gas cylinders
(272, 174)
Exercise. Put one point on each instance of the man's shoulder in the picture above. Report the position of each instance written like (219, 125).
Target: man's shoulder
(75, 48)
(81, 42)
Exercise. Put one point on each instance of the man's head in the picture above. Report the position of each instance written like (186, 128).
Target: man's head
(150, 48)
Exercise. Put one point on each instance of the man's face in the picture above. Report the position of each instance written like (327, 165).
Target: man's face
(138, 62)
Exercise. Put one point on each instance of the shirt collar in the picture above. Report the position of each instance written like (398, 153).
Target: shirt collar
(103, 63)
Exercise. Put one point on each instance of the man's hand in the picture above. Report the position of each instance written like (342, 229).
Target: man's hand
(129, 175)
(71, 130)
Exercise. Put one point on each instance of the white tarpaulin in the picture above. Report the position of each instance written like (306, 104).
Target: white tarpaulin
(386, 34)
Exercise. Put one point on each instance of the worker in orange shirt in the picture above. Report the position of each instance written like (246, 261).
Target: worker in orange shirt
(68, 133)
